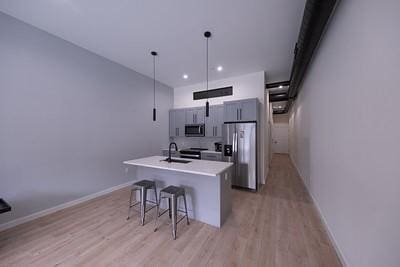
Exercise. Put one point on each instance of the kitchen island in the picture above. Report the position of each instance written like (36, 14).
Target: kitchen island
(207, 184)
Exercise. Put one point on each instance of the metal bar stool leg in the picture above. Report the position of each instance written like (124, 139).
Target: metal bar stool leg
(130, 204)
(186, 212)
(174, 212)
(143, 198)
(155, 195)
(169, 208)
(158, 211)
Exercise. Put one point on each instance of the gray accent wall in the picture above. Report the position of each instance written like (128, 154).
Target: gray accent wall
(68, 118)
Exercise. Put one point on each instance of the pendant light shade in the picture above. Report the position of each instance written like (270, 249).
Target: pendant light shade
(207, 34)
(154, 54)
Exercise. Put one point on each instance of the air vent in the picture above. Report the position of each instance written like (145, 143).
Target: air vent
(219, 92)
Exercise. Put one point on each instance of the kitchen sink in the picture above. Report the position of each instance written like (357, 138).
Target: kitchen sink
(176, 160)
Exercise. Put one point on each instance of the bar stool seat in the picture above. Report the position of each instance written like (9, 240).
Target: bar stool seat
(172, 193)
(173, 190)
(142, 186)
(145, 183)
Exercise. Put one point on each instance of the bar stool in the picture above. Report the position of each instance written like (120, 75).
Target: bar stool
(143, 186)
(172, 193)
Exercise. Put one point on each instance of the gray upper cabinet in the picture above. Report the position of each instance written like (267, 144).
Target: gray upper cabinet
(248, 110)
(214, 121)
(241, 110)
(231, 111)
(195, 115)
(177, 122)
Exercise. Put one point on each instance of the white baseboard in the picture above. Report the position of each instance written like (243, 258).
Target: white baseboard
(340, 254)
(45, 212)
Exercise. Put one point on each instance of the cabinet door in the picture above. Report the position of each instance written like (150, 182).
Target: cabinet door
(199, 114)
(180, 120)
(172, 128)
(218, 120)
(189, 113)
(248, 110)
(231, 111)
(209, 122)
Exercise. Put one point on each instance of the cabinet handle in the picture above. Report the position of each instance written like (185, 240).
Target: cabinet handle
(213, 130)
(237, 114)
(240, 112)
(216, 131)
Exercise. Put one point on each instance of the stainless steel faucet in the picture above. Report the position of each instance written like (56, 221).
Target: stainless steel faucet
(169, 150)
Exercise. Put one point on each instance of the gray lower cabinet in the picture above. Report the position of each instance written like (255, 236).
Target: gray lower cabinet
(195, 115)
(177, 122)
(241, 110)
(211, 156)
(214, 122)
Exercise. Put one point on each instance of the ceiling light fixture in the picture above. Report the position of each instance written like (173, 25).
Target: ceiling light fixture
(280, 86)
(220, 68)
(207, 34)
(154, 54)
(185, 76)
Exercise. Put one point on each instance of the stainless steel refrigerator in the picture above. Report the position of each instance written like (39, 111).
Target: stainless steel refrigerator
(240, 147)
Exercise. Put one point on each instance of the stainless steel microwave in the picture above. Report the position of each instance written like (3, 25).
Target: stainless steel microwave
(194, 130)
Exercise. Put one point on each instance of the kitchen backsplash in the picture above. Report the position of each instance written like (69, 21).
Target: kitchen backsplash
(203, 142)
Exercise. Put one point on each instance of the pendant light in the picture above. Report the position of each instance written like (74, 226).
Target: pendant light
(154, 54)
(207, 34)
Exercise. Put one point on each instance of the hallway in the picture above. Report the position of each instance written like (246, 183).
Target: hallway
(295, 224)
(278, 226)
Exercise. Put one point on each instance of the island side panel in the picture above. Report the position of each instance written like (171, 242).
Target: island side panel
(202, 192)
(226, 195)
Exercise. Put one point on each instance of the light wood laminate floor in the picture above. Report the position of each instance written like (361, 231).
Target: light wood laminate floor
(278, 226)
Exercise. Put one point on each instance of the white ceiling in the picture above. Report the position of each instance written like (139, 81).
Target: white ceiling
(248, 35)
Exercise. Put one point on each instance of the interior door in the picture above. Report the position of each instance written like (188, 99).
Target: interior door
(280, 138)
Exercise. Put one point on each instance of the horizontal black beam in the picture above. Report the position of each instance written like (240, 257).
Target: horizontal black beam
(281, 111)
(278, 97)
(277, 84)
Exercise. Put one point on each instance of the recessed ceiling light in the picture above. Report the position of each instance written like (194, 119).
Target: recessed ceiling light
(279, 106)
(220, 68)
(185, 76)
(280, 86)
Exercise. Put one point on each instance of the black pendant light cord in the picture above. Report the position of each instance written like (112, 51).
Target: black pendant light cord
(154, 54)
(154, 81)
(207, 66)
(207, 34)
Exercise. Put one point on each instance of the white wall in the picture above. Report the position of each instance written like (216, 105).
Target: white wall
(245, 86)
(68, 118)
(345, 131)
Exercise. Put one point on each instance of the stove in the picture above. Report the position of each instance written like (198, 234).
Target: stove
(192, 152)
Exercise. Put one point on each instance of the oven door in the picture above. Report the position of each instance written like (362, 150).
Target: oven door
(194, 130)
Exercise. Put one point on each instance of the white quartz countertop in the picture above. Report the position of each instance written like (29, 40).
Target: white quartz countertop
(202, 167)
